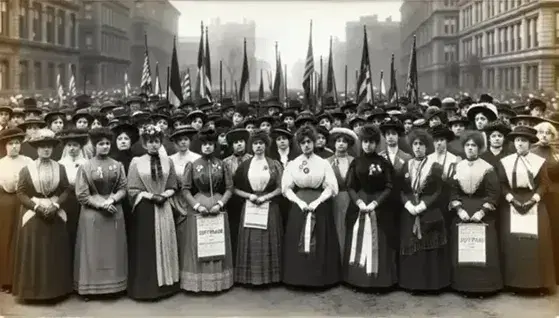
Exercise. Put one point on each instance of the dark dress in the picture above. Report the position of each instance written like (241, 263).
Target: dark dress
(370, 179)
(42, 268)
(475, 186)
(259, 251)
(424, 256)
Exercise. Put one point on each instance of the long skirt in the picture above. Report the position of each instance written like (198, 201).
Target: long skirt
(142, 263)
(477, 278)
(321, 267)
(552, 202)
(73, 209)
(101, 258)
(42, 268)
(528, 261)
(197, 275)
(259, 251)
(340, 205)
(425, 270)
(9, 210)
(356, 275)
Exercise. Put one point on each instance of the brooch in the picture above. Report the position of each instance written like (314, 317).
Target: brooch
(374, 168)
(265, 168)
(199, 168)
(407, 175)
(306, 170)
(100, 172)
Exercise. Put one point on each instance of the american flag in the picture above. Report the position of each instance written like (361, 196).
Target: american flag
(157, 81)
(200, 90)
(244, 92)
(127, 87)
(60, 88)
(72, 83)
(309, 69)
(207, 69)
(412, 90)
(186, 88)
(364, 82)
(393, 90)
(146, 71)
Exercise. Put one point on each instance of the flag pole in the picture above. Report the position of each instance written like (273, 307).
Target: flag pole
(168, 80)
(370, 72)
(224, 87)
(320, 83)
(236, 93)
(220, 80)
(84, 82)
(356, 83)
(345, 84)
(190, 79)
(285, 81)
(380, 85)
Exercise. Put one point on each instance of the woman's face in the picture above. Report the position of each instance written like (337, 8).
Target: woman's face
(419, 148)
(496, 139)
(163, 124)
(307, 146)
(258, 147)
(266, 126)
(471, 149)
(357, 127)
(282, 142)
(435, 121)
(440, 145)
(522, 145)
(57, 125)
(320, 141)
(183, 143)
(197, 123)
(177, 124)
(103, 147)
(32, 130)
(325, 122)
(391, 137)
(237, 119)
(96, 124)
(457, 129)
(239, 146)
(368, 146)
(13, 147)
(123, 142)
(289, 121)
(341, 144)
(545, 136)
(153, 145)
(73, 148)
(408, 125)
(208, 148)
(481, 121)
(82, 123)
(44, 151)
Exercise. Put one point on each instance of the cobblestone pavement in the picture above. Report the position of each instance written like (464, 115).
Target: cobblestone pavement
(280, 301)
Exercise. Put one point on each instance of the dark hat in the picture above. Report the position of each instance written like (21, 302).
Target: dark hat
(82, 113)
(433, 111)
(237, 134)
(497, 125)
(186, 103)
(394, 124)
(197, 114)
(355, 120)
(505, 109)
(553, 119)
(458, 120)
(441, 131)
(324, 115)
(30, 106)
(363, 107)
(43, 137)
(243, 108)
(537, 103)
(11, 133)
(329, 102)
(370, 132)
(486, 98)
(73, 134)
(204, 104)
(108, 106)
(100, 117)
(272, 102)
(6, 108)
(153, 98)
(521, 109)
(207, 135)
(323, 131)
(411, 115)
(449, 104)
(223, 122)
(161, 115)
(266, 118)
(435, 101)
(489, 110)
(129, 129)
(349, 105)
(49, 117)
(163, 105)
(305, 116)
(376, 113)
(286, 114)
(338, 114)
(281, 129)
(524, 131)
(533, 120)
(183, 131)
(248, 121)
(32, 121)
(227, 103)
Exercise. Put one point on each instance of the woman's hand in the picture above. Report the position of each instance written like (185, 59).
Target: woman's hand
(108, 203)
(463, 215)
(260, 200)
(477, 216)
(313, 205)
(252, 198)
(303, 206)
(215, 209)
(202, 210)
(112, 209)
(372, 206)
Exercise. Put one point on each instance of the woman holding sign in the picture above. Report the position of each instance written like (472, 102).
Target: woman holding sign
(525, 229)
(474, 240)
(258, 182)
(312, 253)
(206, 259)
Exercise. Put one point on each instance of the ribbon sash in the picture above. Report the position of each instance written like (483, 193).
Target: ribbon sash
(365, 233)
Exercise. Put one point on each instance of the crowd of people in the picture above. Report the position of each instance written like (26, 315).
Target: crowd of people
(138, 196)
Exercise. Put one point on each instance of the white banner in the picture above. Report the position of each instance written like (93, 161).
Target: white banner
(256, 216)
(210, 236)
(471, 243)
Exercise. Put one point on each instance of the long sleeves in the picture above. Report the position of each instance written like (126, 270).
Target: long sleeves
(24, 186)
(188, 184)
(121, 185)
(83, 193)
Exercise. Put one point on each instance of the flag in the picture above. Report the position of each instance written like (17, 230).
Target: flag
(382, 86)
(199, 90)
(157, 81)
(412, 90)
(364, 83)
(330, 77)
(244, 92)
(309, 69)
(186, 89)
(145, 85)
(60, 89)
(278, 90)
(175, 89)
(126, 85)
(393, 90)
(72, 83)
(319, 85)
(207, 69)
(261, 87)
(270, 81)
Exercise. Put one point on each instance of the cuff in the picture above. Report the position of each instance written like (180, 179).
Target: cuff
(421, 206)
(454, 204)
(56, 205)
(536, 197)
(409, 206)
(359, 202)
(220, 203)
(374, 204)
(196, 206)
(509, 197)
(35, 208)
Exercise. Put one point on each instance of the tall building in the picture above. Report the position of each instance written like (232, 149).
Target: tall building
(435, 25)
(187, 51)
(509, 45)
(39, 39)
(159, 21)
(383, 39)
(105, 44)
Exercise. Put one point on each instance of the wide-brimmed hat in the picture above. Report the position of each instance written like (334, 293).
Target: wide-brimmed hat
(282, 130)
(266, 118)
(349, 105)
(82, 113)
(11, 133)
(204, 104)
(32, 121)
(505, 109)
(441, 131)
(50, 116)
(392, 123)
(458, 120)
(6, 108)
(207, 135)
(305, 116)
(377, 113)
(131, 130)
(183, 131)
(489, 110)
(237, 134)
(223, 122)
(533, 120)
(44, 137)
(355, 120)
(197, 113)
(78, 135)
(338, 114)
(524, 131)
(336, 132)
(497, 125)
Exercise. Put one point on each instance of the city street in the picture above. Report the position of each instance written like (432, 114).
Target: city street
(279, 301)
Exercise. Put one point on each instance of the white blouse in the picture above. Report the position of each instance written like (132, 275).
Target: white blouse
(258, 174)
(180, 161)
(310, 173)
(9, 171)
(71, 167)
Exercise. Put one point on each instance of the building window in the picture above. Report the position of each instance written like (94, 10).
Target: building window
(37, 21)
(557, 30)
(4, 69)
(535, 23)
(528, 33)
(50, 25)
(4, 16)
(512, 45)
(61, 25)
(51, 77)
(38, 73)
(504, 34)
(449, 53)
(24, 75)
(73, 28)
(518, 37)
(23, 18)
(89, 41)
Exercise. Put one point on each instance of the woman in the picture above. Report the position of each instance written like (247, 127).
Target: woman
(208, 186)
(42, 268)
(481, 115)
(125, 136)
(257, 181)
(546, 148)
(474, 197)
(343, 139)
(196, 119)
(11, 165)
(73, 141)
(100, 261)
(496, 133)
(525, 231)
(424, 259)
(153, 251)
(370, 256)
(55, 121)
(311, 250)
